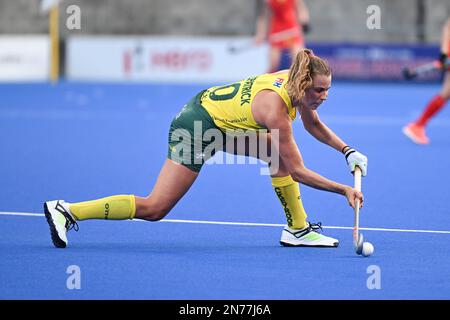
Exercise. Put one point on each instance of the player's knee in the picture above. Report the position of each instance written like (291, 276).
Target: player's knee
(154, 212)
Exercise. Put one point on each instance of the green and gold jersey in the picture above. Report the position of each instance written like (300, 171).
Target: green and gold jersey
(230, 105)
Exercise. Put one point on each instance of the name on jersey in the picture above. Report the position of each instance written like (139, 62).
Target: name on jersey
(247, 90)
(278, 82)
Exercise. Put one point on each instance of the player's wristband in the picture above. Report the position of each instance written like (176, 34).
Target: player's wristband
(343, 149)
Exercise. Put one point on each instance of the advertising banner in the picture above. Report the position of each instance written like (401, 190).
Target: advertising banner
(222, 59)
(163, 59)
(24, 58)
(377, 62)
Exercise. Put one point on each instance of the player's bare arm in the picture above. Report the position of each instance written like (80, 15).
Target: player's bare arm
(261, 22)
(303, 12)
(445, 38)
(319, 130)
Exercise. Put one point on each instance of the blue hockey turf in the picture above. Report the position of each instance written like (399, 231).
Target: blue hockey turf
(85, 141)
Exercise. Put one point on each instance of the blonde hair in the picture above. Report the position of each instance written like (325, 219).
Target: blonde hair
(305, 66)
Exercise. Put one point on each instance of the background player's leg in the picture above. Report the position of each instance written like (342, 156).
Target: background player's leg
(294, 50)
(274, 59)
(173, 182)
(437, 103)
(445, 92)
(416, 130)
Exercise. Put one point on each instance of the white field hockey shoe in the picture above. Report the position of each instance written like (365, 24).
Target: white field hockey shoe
(306, 237)
(60, 221)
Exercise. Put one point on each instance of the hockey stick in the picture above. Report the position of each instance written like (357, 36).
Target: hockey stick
(358, 238)
(412, 73)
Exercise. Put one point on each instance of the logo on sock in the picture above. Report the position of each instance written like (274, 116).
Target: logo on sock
(106, 210)
(285, 206)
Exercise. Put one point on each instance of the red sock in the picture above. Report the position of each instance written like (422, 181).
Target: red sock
(432, 108)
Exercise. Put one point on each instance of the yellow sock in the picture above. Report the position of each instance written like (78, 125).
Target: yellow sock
(114, 208)
(288, 191)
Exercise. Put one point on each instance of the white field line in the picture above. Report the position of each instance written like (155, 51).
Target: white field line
(251, 224)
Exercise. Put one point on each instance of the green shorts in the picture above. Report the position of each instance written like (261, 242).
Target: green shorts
(193, 137)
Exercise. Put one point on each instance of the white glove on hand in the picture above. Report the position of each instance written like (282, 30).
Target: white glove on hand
(354, 158)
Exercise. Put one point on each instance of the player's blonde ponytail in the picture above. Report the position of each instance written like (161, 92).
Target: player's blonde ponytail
(304, 67)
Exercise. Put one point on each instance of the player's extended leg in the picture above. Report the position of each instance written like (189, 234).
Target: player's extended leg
(416, 130)
(173, 182)
(298, 231)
